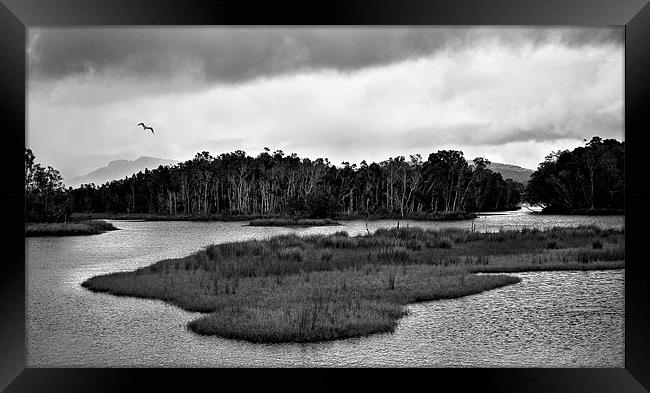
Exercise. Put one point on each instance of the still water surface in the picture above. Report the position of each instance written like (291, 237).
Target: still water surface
(550, 319)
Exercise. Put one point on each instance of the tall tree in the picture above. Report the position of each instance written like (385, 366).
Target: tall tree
(590, 177)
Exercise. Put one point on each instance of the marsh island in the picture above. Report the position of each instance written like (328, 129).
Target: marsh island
(326, 287)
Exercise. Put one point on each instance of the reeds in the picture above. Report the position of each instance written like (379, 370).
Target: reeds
(291, 254)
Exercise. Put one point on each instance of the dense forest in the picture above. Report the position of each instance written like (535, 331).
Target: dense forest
(587, 179)
(278, 184)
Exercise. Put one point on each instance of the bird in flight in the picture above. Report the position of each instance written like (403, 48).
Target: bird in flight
(145, 128)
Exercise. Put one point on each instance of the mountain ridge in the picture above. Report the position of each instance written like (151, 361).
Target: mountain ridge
(119, 169)
(514, 172)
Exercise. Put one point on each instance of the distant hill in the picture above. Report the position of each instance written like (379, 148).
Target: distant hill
(514, 172)
(118, 169)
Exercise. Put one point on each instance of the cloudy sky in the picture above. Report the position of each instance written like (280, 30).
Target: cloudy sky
(511, 95)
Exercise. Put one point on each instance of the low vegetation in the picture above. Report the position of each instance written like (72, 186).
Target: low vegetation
(68, 229)
(324, 287)
(293, 222)
(424, 216)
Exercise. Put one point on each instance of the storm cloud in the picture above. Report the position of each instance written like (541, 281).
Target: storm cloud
(235, 54)
(510, 94)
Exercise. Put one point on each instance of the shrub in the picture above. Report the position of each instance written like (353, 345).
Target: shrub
(597, 245)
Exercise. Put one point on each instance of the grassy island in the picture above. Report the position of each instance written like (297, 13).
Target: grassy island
(68, 229)
(293, 222)
(415, 216)
(326, 287)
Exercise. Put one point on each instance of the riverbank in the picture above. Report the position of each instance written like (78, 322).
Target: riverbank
(319, 288)
(68, 229)
(440, 216)
(582, 212)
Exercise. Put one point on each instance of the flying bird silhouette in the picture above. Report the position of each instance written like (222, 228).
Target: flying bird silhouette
(145, 128)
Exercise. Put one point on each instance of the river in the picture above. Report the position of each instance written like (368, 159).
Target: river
(550, 319)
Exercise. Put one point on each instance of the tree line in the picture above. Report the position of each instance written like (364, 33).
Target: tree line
(273, 183)
(278, 184)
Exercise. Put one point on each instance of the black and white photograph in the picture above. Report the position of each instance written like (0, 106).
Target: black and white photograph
(325, 196)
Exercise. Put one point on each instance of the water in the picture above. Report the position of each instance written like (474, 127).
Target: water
(550, 319)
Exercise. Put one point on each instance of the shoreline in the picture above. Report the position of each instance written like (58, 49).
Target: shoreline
(322, 288)
(453, 216)
(447, 217)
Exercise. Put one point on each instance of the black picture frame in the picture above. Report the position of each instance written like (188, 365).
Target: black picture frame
(18, 15)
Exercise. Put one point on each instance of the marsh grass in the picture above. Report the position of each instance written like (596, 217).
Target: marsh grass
(292, 222)
(68, 229)
(291, 254)
(317, 288)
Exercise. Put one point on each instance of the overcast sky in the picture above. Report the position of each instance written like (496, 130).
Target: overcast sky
(511, 95)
